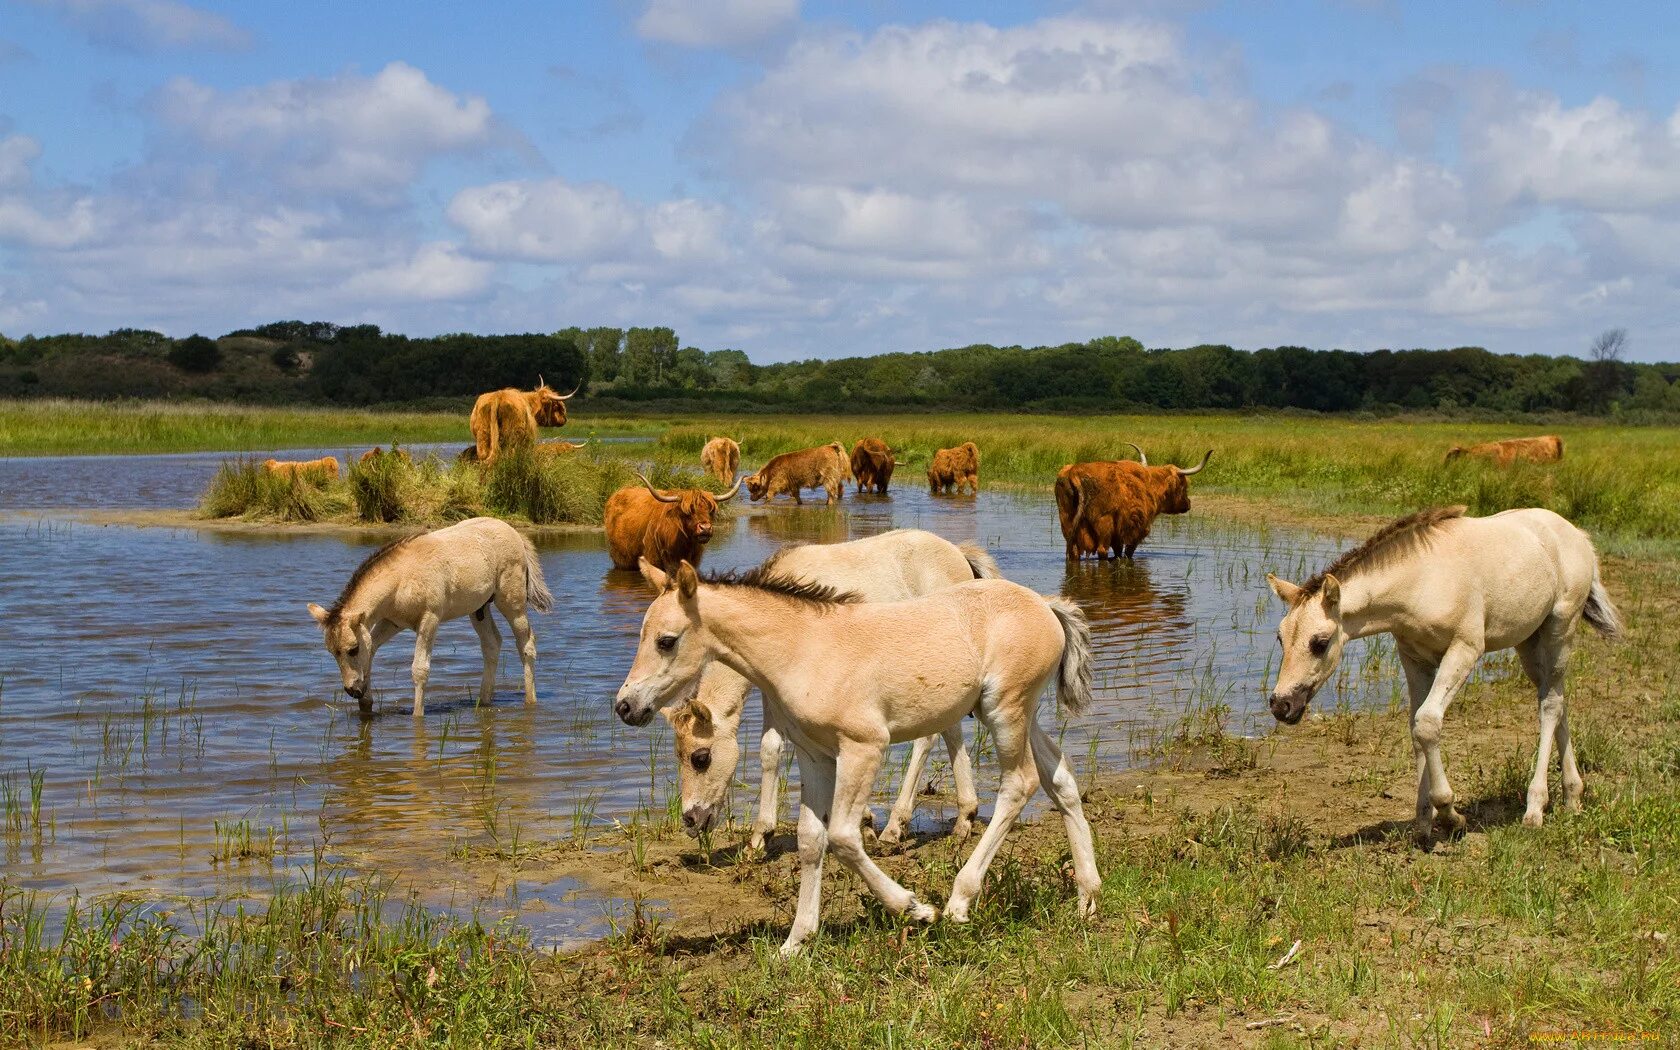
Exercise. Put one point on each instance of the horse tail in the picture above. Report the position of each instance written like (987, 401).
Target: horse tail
(1601, 611)
(980, 563)
(1073, 679)
(537, 594)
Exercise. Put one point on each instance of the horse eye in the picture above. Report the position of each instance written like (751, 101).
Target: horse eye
(701, 760)
(666, 642)
(1320, 646)
(353, 650)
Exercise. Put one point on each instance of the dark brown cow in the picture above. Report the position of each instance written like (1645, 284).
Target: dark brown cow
(666, 528)
(1548, 449)
(952, 468)
(721, 458)
(824, 467)
(511, 417)
(872, 465)
(1107, 508)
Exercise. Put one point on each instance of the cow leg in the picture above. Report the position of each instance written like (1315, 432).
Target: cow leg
(421, 669)
(490, 646)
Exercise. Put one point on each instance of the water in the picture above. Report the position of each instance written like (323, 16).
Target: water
(163, 680)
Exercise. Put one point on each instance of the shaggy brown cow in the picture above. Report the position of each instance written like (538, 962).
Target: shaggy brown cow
(721, 457)
(824, 467)
(1107, 508)
(1548, 449)
(666, 528)
(556, 448)
(511, 417)
(954, 468)
(376, 452)
(872, 465)
(313, 469)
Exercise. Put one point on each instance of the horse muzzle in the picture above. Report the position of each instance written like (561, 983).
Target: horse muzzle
(356, 692)
(697, 819)
(1290, 707)
(633, 714)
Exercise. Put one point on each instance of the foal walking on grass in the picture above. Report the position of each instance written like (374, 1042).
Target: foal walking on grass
(1450, 588)
(847, 680)
(417, 583)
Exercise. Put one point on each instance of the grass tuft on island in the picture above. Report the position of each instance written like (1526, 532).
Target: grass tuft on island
(521, 486)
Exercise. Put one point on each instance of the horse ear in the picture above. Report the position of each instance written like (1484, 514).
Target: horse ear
(1332, 595)
(654, 575)
(702, 716)
(319, 613)
(1284, 589)
(688, 581)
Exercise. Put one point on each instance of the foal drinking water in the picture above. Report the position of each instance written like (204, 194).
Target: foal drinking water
(418, 582)
(1450, 588)
(847, 679)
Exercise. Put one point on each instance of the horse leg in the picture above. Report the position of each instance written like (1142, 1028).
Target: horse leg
(854, 779)
(962, 771)
(1543, 659)
(382, 632)
(1057, 780)
(1426, 728)
(1019, 781)
(490, 646)
(526, 641)
(1419, 675)
(816, 797)
(904, 807)
(770, 782)
(421, 669)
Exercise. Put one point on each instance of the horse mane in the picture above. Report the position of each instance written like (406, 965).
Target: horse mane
(357, 578)
(765, 578)
(1410, 527)
(783, 551)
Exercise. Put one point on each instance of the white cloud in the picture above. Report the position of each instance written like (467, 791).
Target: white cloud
(714, 23)
(149, 25)
(366, 137)
(548, 220)
(1598, 156)
(436, 271)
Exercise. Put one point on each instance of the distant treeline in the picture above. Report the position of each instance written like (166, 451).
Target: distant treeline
(291, 361)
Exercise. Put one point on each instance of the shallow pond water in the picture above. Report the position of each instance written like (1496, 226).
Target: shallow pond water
(167, 696)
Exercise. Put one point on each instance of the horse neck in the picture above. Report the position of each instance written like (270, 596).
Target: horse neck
(1375, 600)
(373, 594)
(753, 630)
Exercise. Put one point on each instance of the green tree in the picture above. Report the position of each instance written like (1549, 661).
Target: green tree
(196, 354)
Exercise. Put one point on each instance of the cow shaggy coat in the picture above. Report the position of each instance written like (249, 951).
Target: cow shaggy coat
(721, 458)
(848, 679)
(509, 417)
(872, 465)
(308, 470)
(1548, 449)
(665, 527)
(824, 467)
(1450, 588)
(904, 563)
(1107, 508)
(419, 582)
(953, 468)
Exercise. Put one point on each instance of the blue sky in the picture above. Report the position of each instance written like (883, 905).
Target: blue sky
(815, 178)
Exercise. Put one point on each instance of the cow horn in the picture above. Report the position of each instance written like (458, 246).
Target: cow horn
(540, 383)
(575, 389)
(1198, 468)
(1143, 460)
(725, 497)
(655, 492)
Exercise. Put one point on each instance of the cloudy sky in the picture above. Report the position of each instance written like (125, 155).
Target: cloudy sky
(804, 178)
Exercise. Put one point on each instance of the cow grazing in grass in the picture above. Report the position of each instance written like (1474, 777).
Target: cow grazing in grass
(310, 470)
(1548, 449)
(952, 468)
(824, 467)
(872, 465)
(506, 418)
(557, 448)
(1107, 508)
(665, 527)
(721, 458)
(375, 454)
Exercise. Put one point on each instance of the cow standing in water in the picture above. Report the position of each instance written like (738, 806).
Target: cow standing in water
(1107, 507)
(721, 458)
(665, 527)
(510, 417)
(953, 468)
(872, 465)
(824, 467)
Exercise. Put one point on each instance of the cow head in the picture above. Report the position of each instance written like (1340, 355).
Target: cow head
(693, 507)
(1176, 497)
(548, 405)
(351, 644)
(757, 485)
(1312, 637)
(1456, 452)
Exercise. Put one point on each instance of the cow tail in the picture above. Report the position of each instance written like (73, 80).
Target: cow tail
(980, 563)
(1073, 679)
(537, 594)
(1600, 611)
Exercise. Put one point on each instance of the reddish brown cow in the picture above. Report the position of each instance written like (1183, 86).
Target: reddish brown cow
(824, 467)
(556, 448)
(952, 468)
(511, 417)
(1548, 449)
(376, 452)
(666, 528)
(872, 465)
(310, 470)
(1107, 508)
(721, 458)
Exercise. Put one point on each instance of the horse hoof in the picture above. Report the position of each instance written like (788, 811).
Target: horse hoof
(919, 912)
(957, 913)
(891, 836)
(1423, 838)
(1533, 820)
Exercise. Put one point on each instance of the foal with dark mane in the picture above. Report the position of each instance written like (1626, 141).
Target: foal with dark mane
(1450, 588)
